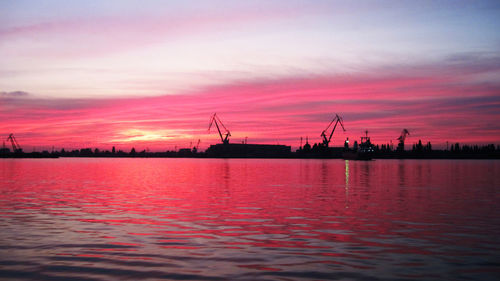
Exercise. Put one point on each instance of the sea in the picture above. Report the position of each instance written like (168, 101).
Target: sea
(249, 219)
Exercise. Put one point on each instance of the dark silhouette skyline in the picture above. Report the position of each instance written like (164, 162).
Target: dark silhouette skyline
(317, 150)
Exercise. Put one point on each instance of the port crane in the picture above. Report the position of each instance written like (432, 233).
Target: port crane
(16, 148)
(337, 119)
(223, 137)
(401, 139)
(195, 149)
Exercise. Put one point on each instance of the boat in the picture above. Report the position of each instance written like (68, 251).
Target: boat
(363, 152)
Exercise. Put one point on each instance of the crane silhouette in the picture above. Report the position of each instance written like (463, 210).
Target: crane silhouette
(16, 148)
(224, 137)
(401, 139)
(337, 119)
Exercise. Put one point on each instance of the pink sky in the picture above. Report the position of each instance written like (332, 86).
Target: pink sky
(150, 74)
(437, 105)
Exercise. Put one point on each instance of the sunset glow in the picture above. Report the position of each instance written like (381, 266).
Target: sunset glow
(149, 74)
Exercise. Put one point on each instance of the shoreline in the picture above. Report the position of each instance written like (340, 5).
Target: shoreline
(294, 157)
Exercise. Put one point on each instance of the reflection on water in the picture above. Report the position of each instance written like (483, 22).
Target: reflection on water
(202, 219)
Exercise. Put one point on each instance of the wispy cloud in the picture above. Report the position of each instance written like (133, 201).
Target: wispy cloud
(437, 103)
(14, 94)
(110, 33)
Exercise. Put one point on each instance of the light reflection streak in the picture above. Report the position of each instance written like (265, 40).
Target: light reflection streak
(346, 163)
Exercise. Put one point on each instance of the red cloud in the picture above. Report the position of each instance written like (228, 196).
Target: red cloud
(438, 108)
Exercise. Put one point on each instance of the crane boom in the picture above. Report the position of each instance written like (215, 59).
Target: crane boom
(337, 119)
(402, 138)
(15, 145)
(403, 135)
(223, 137)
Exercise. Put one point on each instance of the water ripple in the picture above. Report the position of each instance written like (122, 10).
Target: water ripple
(247, 219)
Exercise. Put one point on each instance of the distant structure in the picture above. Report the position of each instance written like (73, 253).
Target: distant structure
(401, 139)
(307, 146)
(242, 150)
(197, 147)
(4, 150)
(337, 119)
(215, 120)
(363, 151)
(16, 148)
(323, 148)
(366, 144)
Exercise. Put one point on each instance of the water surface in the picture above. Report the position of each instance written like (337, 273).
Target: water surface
(249, 219)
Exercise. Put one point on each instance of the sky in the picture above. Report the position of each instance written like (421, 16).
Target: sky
(149, 74)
